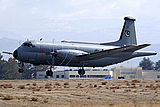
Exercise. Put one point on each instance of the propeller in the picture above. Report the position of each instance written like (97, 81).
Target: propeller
(10, 53)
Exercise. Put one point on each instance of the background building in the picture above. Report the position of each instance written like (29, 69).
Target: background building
(150, 74)
(116, 73)
(127, 73)
(90, 74)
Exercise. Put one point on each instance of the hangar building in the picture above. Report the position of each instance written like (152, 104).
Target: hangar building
(127, 73)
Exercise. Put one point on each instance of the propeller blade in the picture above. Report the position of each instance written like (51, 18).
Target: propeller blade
(10, 53)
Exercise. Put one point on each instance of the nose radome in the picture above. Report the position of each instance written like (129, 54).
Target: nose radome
(15, 54)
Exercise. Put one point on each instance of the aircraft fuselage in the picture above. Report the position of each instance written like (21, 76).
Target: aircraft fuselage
(42, 53)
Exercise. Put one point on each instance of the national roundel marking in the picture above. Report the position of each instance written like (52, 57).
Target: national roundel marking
(127, 33)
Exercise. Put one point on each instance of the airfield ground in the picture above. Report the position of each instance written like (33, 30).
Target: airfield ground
(80, 93)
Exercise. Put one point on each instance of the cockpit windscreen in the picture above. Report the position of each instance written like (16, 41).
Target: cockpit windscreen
(28, 44)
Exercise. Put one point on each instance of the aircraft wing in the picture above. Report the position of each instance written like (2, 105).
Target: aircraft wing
(110, 52)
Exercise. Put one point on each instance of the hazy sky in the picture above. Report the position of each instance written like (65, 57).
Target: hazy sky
(21, 19)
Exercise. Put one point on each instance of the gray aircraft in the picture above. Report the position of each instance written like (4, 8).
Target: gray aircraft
(82, 54)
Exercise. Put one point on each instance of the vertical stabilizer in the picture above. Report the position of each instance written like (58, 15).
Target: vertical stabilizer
(128, 34)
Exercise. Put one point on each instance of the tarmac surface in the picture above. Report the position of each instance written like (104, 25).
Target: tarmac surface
(80, 93)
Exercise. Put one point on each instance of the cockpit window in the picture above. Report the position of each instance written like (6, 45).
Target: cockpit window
(28, 44)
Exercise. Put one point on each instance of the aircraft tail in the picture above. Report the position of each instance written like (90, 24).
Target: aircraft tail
(128, 34)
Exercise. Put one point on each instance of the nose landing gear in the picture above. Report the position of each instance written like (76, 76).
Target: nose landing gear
(21, 67)
(20, 70)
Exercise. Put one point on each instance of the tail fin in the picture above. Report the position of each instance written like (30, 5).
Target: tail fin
(128, 34)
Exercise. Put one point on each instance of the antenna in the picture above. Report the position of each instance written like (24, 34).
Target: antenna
(40, 39)
(20, 42)
(53, 43)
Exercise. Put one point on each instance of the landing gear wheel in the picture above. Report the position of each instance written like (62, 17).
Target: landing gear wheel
(81, 71)
(49, 73)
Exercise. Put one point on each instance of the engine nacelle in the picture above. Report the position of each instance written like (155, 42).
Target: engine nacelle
(72, 53)
(66, 56)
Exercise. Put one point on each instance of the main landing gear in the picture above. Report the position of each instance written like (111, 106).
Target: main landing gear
(81, 71)
(49, 72)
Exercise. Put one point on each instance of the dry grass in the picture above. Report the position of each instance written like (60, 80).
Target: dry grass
(112, 87)
(78, 85)
(48, 85)
(49, 89)
(27, 84)
(66, 86)
(80, 93)
(104, 83)
(36, 89)
(34, 99)
(32, 88)
(88, 97)
(7, 85)
(57, 84)
(135, 81)
(1, 95)
(21, 86)
(127, 90)
(90, 86)
(45, 101)
(7, 97)
(66, 83)
(95, 86)
(34, 84)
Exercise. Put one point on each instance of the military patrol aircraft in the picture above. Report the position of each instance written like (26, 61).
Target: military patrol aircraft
(82, 54)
